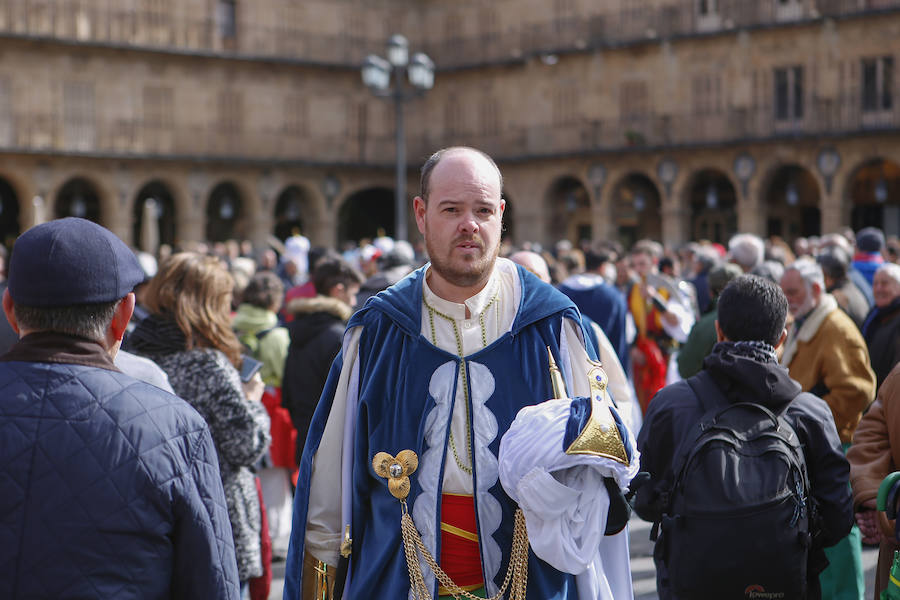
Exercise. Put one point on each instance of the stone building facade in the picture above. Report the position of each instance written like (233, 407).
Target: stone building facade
(671, 119)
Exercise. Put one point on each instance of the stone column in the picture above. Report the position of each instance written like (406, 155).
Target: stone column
(750, 208)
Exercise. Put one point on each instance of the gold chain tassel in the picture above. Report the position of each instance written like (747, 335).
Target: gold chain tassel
(516, 574)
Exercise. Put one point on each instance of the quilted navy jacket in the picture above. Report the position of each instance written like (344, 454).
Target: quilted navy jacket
(109, 487)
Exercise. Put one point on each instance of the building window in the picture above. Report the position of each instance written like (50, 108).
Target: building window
(634, 100)
(789, 93)
(488, 116)
(6, 121)
(78, 115)
(226, 18)
(563, 9)
(707, 94)
(706, 8)
(788, 10)
(452, 116)
(877, 83)
(565, 111)
(295, 112)
(231, 113)
(158, 107)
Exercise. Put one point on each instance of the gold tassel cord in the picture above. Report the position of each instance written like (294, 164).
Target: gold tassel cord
(516, 574)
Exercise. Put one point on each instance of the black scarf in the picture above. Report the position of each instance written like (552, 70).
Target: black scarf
(156, 335)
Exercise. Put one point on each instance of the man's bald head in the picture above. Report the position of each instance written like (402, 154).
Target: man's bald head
(435, 158)
(534, 262)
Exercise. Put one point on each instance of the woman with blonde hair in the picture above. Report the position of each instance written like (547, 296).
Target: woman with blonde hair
(189, 335)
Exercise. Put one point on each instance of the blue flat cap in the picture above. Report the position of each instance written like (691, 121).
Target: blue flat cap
(69, 262)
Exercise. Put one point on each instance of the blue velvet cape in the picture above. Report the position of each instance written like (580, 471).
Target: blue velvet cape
(405, 396)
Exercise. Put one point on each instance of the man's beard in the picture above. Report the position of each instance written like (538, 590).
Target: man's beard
(472, 272)
(804, 309)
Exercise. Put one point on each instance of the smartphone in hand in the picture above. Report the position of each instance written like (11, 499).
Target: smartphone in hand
(249, 367)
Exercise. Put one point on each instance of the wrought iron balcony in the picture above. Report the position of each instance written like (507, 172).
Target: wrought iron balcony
(107, 136)
(173, 27)
(177, 30)
(640, 23)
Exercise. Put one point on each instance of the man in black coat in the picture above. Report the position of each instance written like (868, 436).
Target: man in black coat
(316, 333)
(744, 368)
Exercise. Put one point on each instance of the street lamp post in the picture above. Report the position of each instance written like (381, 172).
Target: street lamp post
(376, 74)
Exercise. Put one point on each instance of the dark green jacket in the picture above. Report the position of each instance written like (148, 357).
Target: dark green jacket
(698, 345)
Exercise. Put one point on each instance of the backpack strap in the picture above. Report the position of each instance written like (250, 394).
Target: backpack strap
(707, 392)
(711, 401)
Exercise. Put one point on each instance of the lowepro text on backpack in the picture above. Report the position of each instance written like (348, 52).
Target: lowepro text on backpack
(736, 522)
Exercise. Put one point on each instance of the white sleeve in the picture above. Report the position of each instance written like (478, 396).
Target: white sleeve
(575, 359)
(323, 520)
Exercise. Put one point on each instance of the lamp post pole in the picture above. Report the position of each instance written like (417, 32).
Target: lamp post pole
(400, 220)
(377, 74)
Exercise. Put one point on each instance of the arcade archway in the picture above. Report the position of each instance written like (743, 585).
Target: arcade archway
(567, 210)
(224, 212)
(636, 209)
(9, 213)
(508, 229)
(367, 213)
(78, 197)
(874, 196)
(161, 210)
(792, 204)
(293, 212)
(712, 203)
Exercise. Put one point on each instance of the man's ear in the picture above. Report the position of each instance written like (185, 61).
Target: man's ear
(781, 339)
(816, 290)
(419, 207)
(720, 337)
(120, 319)
(8, 310)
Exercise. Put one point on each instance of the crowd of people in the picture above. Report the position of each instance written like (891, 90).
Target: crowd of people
(495, 366)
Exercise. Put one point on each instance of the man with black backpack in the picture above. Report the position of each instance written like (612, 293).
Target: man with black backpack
(748, 481)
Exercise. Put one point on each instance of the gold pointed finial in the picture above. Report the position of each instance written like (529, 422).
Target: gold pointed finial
(556, 378)
(600, 436)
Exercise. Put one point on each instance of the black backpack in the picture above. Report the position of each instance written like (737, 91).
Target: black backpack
(736, 522)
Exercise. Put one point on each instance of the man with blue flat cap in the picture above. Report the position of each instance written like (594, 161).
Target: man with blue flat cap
(111, 486)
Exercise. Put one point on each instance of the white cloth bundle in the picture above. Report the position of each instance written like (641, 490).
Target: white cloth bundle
(564, 499)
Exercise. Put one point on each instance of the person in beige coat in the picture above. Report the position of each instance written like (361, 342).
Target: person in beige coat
(827, 355)
(874, 455)
(824, 351)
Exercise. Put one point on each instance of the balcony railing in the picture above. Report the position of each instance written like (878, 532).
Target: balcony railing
(104, 136)
(640, 23)
(823, 118)
(180, 29)
(176, 30)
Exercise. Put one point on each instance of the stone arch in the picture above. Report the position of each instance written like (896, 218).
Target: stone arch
(791, 202)
(225, 213)
(507, 232)
(711, 202)
(567, 210)
(9, 213)
(78, 197)
(366, 213)
(295, 212)
(873, 194)
(636, 209)
(164, 213)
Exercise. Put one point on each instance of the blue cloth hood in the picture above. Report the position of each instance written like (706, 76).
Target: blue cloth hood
(402, 302)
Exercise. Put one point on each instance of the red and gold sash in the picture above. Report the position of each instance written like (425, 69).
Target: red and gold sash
(460, 554)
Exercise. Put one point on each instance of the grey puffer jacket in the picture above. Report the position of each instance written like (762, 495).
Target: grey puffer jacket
(240, 430)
